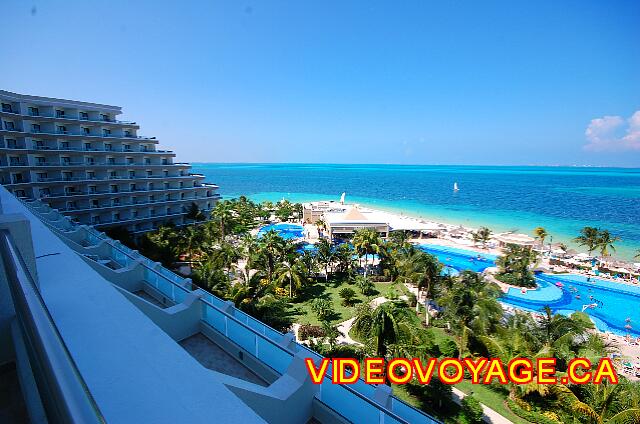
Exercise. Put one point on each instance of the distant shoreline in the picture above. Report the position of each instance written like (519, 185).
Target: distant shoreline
(575, 166)
(471, 224)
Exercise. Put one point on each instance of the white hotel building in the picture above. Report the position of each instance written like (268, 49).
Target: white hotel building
(78, 158)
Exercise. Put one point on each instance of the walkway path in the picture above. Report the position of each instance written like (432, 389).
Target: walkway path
(344, 328)
(490, 415)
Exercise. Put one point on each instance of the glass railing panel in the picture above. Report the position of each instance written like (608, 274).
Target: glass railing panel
(216, 301)
(348, 404)
(151, 278)
(241, 316)
(409, 413)
(272, 334)
(179, 294)
(214, 318)
(165, 287)
(241, 336)
(272, 355)
(257, 325)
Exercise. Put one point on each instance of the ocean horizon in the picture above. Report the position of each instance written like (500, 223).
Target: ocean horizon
(561, 199)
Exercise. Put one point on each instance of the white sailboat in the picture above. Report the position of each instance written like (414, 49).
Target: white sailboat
(342, 198)
(455, 187)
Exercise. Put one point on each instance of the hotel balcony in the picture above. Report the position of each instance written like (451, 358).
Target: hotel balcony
(72, 135)
(99, 193)
(142, 344)
(89, 165)
(68, 118)
(63, 180)
(45, 149)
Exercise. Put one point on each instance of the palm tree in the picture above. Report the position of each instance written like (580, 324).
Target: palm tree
(366, 241)
(588, 237)
(400, 238)
(343, 256)
(637, 256)
(293, 273)
(189, 241)
(561, 336)
(209, 275)
(227, 255)
(471, 307)
(385, 325)
(364, 284)
(483, 235)
(601, 403)
(514, 266)
(605, 242)
(423, 270)
(249, 288)
(194, 213)
(541, 234)
(309, 260)
(271, 249)
(324, 256)
(223, 212)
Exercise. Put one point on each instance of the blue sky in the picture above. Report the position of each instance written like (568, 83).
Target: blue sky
(445, 82)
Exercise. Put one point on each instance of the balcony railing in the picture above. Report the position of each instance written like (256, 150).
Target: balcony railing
(122, 205)
(62, 389)
(69, 118)
(354, 402)
(116, 178)
(137, 191)
(84, 149)
(78, 134)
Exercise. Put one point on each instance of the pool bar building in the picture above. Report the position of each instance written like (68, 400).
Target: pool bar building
(92, 331)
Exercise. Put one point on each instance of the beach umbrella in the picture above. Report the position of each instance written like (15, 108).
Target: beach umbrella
(627, 364)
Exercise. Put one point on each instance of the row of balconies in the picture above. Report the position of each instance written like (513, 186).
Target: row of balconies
(88, 162)
(76, 192)
(73, 207)
(12, 145)
(19, 178)
(69, 192)
(117, 218)
(37, 111)
(61, 130)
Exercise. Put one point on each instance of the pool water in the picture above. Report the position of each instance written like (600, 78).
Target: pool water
(459, 259)
(286, 231)
(616, 305)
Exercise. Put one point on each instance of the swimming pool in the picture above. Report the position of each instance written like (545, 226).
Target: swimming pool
(615, 305)
(459, 259)
(286, 231)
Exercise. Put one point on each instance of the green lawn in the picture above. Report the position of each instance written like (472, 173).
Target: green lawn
(490, 398)
(320, 289)
(330, 290)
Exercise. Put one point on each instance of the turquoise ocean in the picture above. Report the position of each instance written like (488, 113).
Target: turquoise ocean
(561, 199)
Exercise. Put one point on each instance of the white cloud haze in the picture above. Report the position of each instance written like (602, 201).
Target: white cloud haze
(613, 133)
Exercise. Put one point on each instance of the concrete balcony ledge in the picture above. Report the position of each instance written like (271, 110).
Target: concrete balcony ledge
(135, 371)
